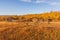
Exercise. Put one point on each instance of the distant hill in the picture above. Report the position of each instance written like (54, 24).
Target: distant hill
(46, 15)
(53, 15)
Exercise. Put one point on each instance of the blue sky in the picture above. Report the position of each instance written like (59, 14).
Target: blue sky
(16, 7)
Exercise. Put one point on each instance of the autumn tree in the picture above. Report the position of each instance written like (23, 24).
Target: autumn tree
(12, 19)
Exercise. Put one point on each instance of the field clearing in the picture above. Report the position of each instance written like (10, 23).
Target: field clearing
(30, 27)
(18, 31)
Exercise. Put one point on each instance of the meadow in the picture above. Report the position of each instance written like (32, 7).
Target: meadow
(44, 26)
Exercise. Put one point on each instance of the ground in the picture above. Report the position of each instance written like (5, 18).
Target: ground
(30, 27)
(42, 31)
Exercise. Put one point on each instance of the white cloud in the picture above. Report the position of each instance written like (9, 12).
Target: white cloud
(55, 4)
(26, 0)
(50, 2)
(40, 1)
(36, 1)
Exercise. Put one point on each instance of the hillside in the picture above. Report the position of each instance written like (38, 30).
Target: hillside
(45, 26)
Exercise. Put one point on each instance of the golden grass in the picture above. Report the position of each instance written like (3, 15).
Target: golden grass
(30, 27)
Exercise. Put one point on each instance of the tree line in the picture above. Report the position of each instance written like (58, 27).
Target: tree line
(23, 19)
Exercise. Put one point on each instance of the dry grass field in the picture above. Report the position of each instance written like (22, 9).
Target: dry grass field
(44, 26)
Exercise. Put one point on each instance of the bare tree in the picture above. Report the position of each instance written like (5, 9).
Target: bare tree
(49, 20)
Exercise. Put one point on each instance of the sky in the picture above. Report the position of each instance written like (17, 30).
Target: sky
(21, 7)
